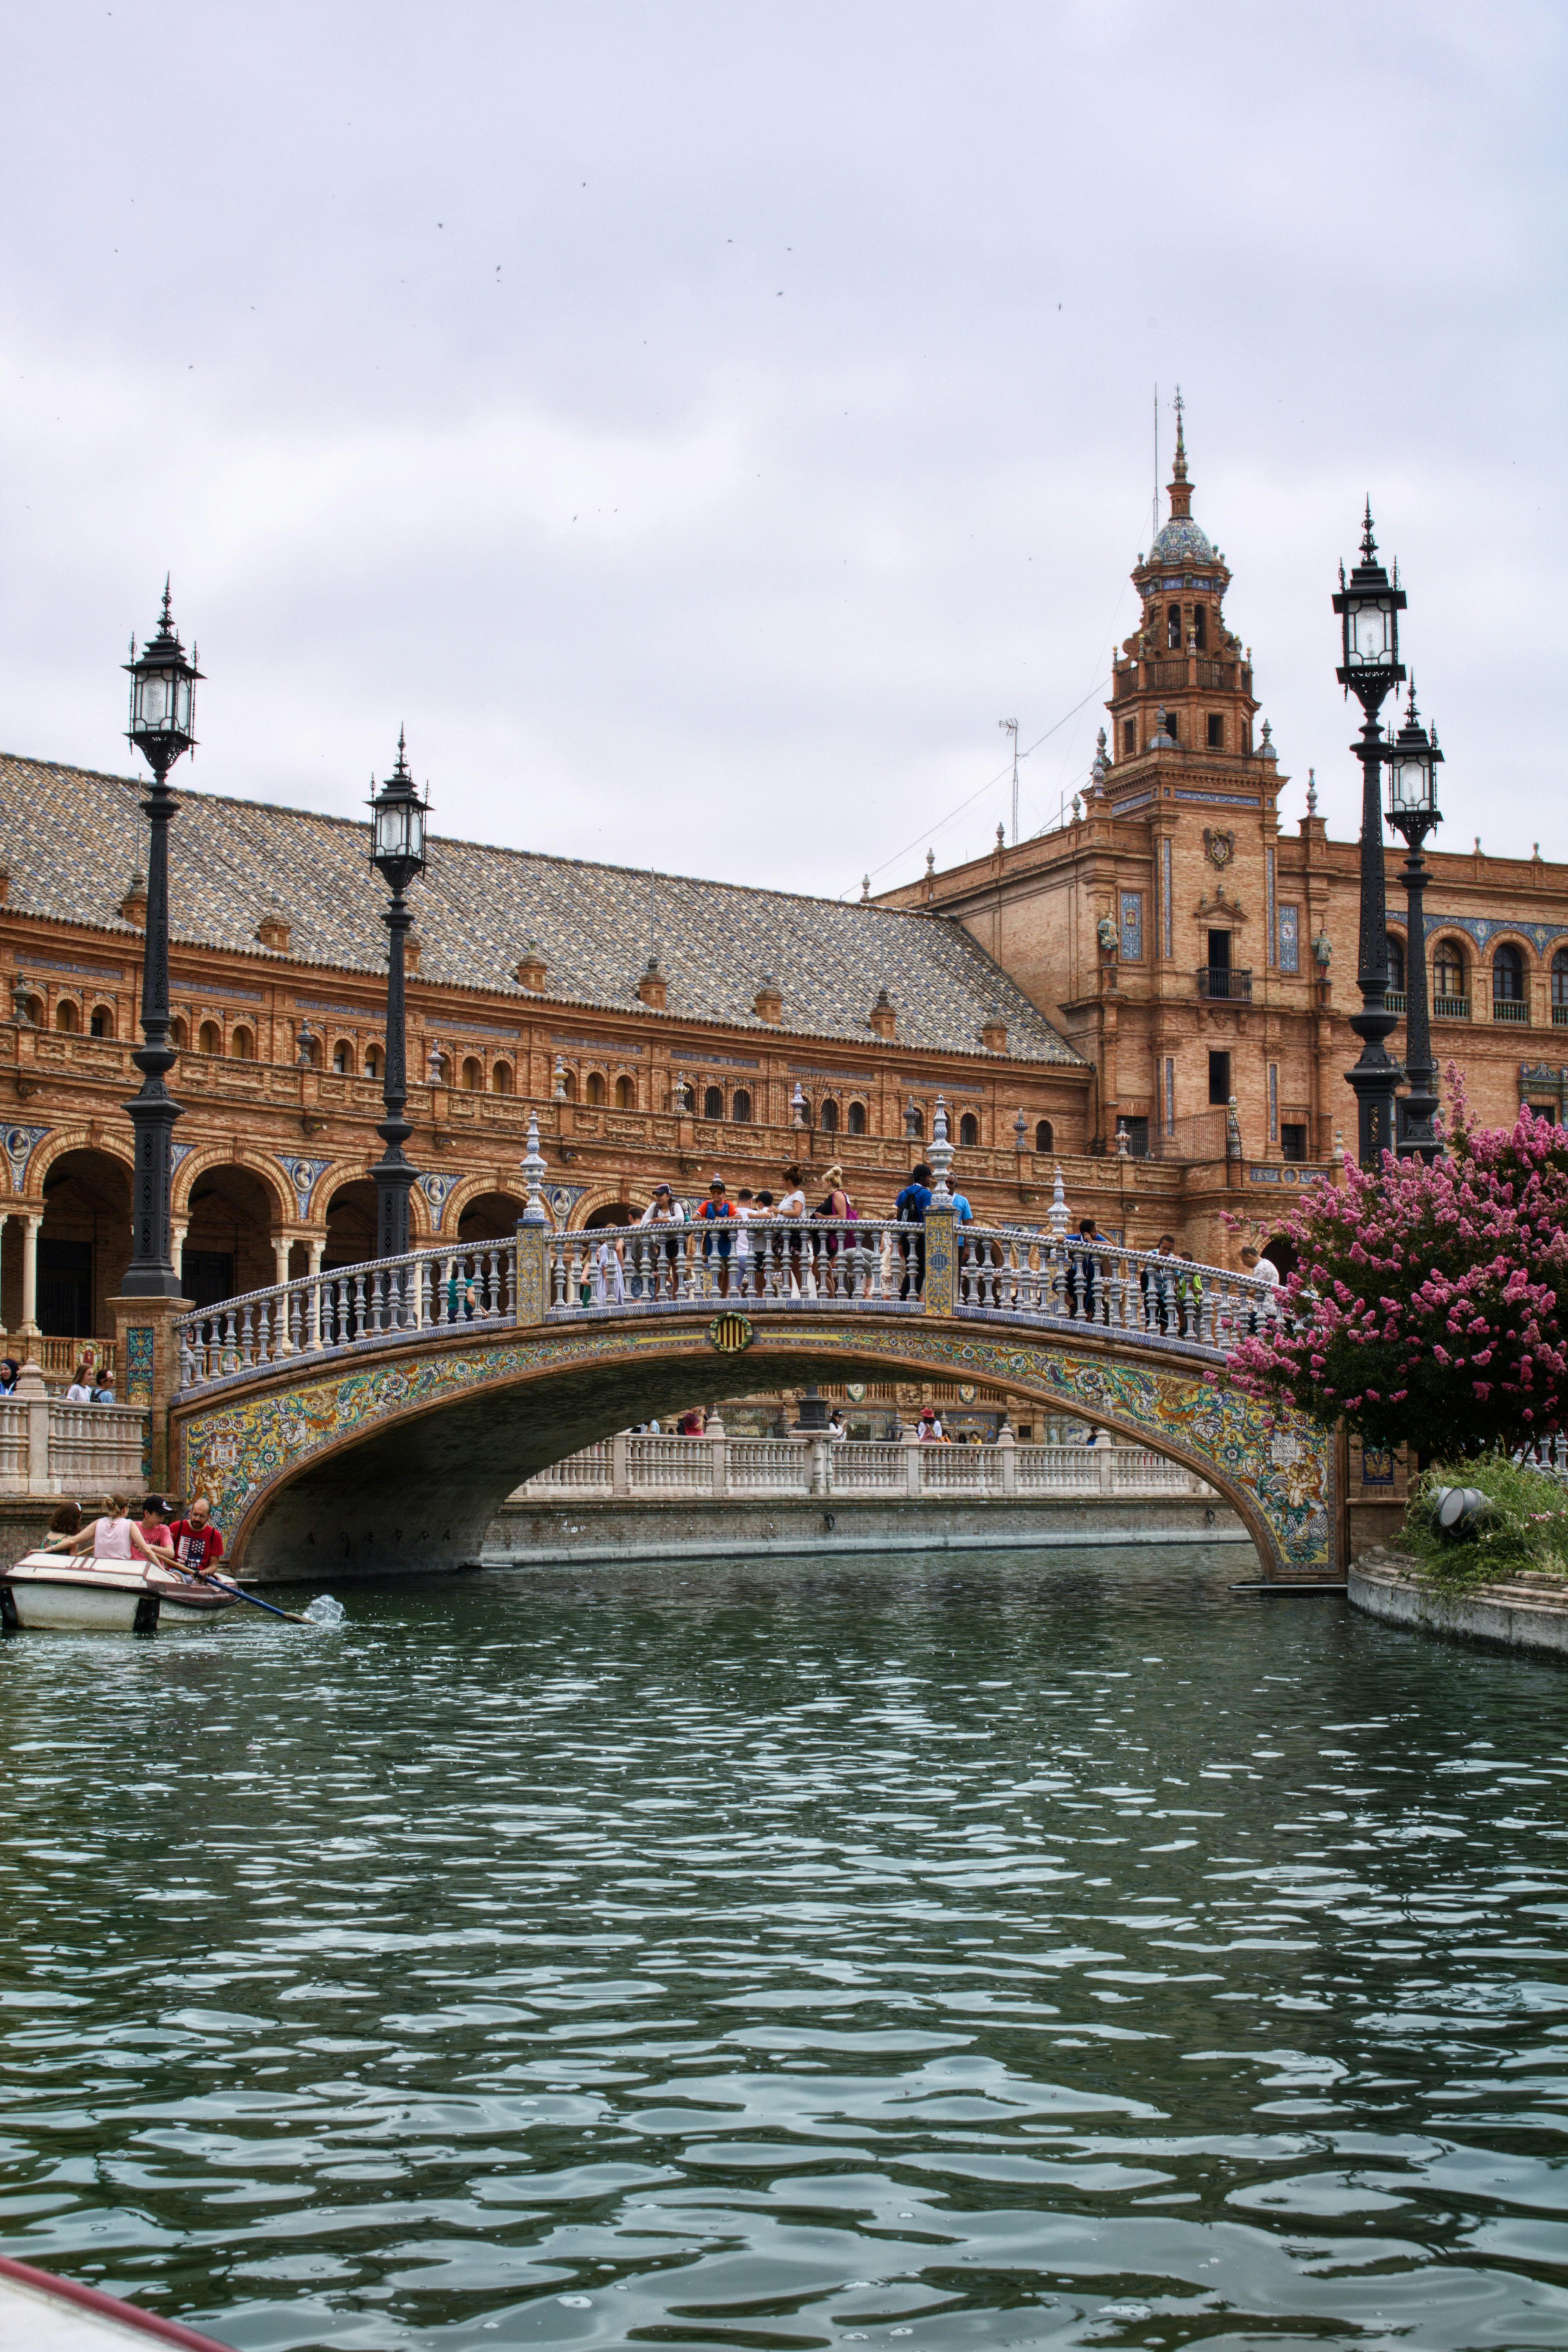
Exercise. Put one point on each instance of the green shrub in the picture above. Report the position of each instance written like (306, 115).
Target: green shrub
(1528, 1528)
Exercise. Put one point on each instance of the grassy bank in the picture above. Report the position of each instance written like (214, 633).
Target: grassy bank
(1525, 1531)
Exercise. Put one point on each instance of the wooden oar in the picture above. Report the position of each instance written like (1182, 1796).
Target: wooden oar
(288, 1615)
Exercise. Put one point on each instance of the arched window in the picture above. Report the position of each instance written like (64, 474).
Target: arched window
(596, 1092)
(740, 1109)
(714, 1102)
(626, 1094)
(1560, 987)
(1173, 629)
(473, 1077)
(857, 1119)
(500, 1078)
(179, 1034)
(1447, 975)
(1045, 1136)
(343, 1058)
(1508, 975)
(210, 1040)
(1396, 963)
(827, 1117)
(65, 1016)
(969, 1130)
(242, 1046)
(374, 1061)
(102, 1021)
(1200, 628)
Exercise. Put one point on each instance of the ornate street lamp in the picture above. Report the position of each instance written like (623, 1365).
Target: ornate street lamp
(1369, 605)
(162, 711)
(1413, 758)
(397, 852)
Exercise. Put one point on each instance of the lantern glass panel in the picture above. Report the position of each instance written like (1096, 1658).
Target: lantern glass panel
(1369, 636)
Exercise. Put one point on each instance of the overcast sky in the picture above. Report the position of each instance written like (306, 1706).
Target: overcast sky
(702, 423)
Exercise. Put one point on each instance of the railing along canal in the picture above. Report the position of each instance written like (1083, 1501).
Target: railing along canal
(783, 1265)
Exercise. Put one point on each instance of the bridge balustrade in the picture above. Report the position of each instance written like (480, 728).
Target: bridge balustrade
(667, 1468)
(1006, 1274)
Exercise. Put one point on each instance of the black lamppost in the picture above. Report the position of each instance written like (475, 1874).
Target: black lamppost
(163, 709)
(1369, 607)
(1413, 758)
(397, 852)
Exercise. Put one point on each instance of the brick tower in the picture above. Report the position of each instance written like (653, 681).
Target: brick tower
(1183, 683)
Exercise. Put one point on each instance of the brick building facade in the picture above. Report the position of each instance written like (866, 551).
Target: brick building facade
(1195, 955)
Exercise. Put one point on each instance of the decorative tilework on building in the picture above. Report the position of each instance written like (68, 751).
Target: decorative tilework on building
(21, 1142)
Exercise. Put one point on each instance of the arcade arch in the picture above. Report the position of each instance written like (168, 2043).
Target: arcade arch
(83, 1247)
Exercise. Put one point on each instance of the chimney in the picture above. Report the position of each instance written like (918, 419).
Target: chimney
(993, 1034)
(652, 989)
(884, 1020)
(5, 882)
(134, 905)
(768, 1004)
(273, 932)
(531, 968)
(413, 946)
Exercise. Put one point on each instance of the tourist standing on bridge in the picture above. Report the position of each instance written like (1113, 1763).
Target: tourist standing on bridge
(910, 1209)
(837, 1206)
(1262, 1269)
(1083, 1270)
(717, 1208)
(664, 1210)
(793, 1205)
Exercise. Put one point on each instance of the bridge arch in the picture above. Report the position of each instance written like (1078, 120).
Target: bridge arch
(400, 1458)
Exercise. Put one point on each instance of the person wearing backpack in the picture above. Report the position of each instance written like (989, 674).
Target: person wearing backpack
(910, 1209)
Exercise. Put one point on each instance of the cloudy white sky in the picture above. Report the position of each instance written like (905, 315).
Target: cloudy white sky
(702, 423)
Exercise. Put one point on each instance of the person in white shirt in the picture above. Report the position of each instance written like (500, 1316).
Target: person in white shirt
(1262, 1269)
(664, 1209)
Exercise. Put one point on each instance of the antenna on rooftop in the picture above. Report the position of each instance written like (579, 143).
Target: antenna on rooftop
(1010, 727)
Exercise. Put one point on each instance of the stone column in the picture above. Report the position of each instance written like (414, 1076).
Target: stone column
(1106, 1456)
(620, 1472)
(1007, 1447)
(4, 1221)
(720, 1444)
(281, 1245)
(30, 1387)
(30, 1223)
(821, 1481)
(147, 1355)
(911, 1444)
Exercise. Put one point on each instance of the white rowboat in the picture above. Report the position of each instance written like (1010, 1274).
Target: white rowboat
(45, 2313)
(45, 1592)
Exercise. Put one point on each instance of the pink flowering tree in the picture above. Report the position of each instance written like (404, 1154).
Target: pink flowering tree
(1430, 1303)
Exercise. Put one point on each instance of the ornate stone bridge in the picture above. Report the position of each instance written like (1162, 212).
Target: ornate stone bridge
(376, 1417)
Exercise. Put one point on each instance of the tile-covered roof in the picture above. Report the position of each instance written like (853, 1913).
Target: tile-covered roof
(72, 839)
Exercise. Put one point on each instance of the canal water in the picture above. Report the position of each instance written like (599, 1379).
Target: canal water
(1005, 1951)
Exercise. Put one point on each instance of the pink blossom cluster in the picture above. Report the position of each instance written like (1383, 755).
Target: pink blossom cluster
(1427, 1306)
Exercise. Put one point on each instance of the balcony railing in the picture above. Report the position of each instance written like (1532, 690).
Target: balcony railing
(666, 1469)
(1224, 985)
(1560, 1016)
(1450, 1008)
(1395, 1000)
(1511, 1008)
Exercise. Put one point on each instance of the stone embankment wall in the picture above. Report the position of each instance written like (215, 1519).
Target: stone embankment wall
(529, 1533)
(1526, 1612)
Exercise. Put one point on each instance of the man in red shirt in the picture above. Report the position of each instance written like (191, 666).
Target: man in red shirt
(197, 1544)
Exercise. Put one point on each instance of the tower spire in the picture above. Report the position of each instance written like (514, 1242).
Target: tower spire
(1180, 467)
(1180, 488)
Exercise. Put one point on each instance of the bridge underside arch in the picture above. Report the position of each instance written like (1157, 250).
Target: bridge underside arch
(402, 1460)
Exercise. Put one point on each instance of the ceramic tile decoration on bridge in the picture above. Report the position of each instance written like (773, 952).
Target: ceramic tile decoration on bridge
(279, 1390)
